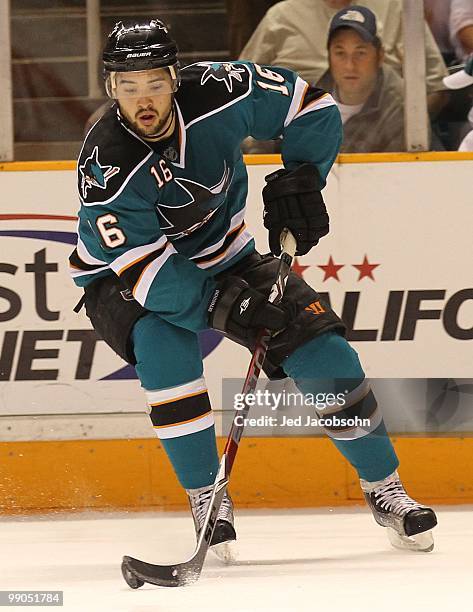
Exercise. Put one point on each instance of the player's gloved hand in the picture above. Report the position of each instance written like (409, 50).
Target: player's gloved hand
(238, 310)
(292, 199)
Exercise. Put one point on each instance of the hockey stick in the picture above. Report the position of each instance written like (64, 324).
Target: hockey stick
(136, 572)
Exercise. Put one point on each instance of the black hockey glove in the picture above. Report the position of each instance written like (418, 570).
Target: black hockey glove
(292, 199)
(239, 311)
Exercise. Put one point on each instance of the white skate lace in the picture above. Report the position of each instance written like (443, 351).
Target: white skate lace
(200, 502)
(392, 497)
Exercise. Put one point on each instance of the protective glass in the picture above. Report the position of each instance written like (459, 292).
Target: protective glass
(142, 83)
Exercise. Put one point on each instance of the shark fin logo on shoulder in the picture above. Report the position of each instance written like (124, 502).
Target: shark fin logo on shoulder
(94, 174)
(223, 72)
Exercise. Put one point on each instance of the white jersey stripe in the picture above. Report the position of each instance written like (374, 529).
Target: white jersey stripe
(141, 289)
(235, 221)
(323, 102)
(300, 88)
(137, 253)
(75, 272)
(85, 256)
(236, 246)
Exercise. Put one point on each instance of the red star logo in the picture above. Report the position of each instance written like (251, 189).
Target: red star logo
(298, 268)
(365, 269)
(331, 269)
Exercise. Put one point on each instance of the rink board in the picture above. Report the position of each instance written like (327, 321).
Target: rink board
(411, 317)
(268, 473)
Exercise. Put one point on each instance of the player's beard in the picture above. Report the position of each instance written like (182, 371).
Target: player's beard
(157, 128)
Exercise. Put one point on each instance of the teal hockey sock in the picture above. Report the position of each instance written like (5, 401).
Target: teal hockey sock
(194, 458)
(169, 365)
(328, 364)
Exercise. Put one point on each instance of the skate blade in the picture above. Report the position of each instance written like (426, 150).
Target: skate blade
(421, 542)
(225, 551)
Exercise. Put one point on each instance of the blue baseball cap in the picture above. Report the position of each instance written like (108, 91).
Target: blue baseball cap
(359, 18)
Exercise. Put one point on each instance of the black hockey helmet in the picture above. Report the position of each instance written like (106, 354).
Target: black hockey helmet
(135, 46)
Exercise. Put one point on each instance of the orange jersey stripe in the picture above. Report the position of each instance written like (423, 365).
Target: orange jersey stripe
(238, 231)
(132, 263)
(306, 89)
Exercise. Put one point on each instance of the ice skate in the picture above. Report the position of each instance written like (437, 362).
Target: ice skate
(408, 523)
(224, 535)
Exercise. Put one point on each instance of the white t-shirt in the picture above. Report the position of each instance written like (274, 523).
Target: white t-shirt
(348, 110)
(467, 143)
(461, 16)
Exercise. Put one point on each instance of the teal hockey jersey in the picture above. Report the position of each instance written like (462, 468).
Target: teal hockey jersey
(166, 219)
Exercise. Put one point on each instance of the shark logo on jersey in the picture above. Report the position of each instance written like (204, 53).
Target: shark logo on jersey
(224, 72)
(182, 220)
(94, 174)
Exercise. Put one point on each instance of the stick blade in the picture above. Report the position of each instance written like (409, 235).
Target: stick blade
(136, 573)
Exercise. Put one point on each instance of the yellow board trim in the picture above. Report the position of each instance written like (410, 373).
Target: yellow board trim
(372, 158)
(37, 166)
(269, 473)
(389, 158)
(259, 160)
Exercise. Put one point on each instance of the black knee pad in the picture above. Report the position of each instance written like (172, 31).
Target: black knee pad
(113, 312)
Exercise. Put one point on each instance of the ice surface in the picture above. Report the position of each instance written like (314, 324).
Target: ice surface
(327, 560)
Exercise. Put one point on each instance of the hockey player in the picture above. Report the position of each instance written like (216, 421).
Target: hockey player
(163, 252)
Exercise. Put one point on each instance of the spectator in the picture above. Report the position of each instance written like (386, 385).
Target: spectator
(243, 18)
(461, 27)
(459, 80)
(293, 34)
(451, 22)
(369, 94)
(437, 15)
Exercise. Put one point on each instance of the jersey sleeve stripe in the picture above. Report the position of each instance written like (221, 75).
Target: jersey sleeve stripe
(133, 255)
(227, 247)
(322, 102)
(75, 273)
(139, 260)
(130, 275)
(241, 239)
(300, 89)
(77, 263)
(231, 236)
(235, 221)
(148, 274)
(78, 267)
